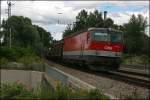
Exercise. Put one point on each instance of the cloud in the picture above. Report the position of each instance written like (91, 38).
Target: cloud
(127, 3)
(123, 17)
(115, 14)
(94, 4)
(55, 32)
(76, 5)
(45, 13)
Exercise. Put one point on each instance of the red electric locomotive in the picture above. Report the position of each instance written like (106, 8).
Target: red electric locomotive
(96, 47)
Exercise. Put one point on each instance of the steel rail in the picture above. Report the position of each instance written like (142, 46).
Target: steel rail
(127, 77)
(133, 79)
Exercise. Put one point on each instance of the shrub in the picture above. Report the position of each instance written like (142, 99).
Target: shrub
(14, 53)
(20, 58)
(9, 54)
(15, 91)
(3, 62)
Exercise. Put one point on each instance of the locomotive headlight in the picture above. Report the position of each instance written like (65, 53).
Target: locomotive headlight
(96, 52)
(117, 54)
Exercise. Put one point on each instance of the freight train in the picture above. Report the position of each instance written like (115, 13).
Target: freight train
(97, 48)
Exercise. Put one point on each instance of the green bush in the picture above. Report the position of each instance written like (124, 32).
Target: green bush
(29, 59)
(10, 54)
(3, 62)
(15, 91)
(20, 58)
(14, 53)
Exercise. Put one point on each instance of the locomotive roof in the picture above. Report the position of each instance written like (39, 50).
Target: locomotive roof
(104, 29)
(92, 29)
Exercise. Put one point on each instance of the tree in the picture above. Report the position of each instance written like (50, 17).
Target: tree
(85, 20)
(108, 23)
(135, 37)
(24, 34)
(67, 31)
(45, 38)
(22, 31)
(95, 19)
(82, 19)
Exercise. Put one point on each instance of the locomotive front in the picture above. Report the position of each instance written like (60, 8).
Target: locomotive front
(106, 47)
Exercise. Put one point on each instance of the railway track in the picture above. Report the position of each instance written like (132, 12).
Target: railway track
(135, 72)
(140, 67)
(114, 83)
(127, 76)
(139, 70)
(130, 77)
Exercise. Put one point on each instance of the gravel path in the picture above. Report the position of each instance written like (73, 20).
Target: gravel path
(116, 88)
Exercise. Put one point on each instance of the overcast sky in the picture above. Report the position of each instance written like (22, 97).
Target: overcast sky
(45, 13)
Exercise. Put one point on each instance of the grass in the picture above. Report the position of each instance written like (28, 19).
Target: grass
(134, 95)
(15, 91)
(136, 60)
(19, 91)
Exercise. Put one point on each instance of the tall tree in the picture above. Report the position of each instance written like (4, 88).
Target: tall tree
(24, 34)
(95, 19)
(45, 38)
(134, 34)
(108, 23)
(81, 19)
(67, 31)
(85, 20)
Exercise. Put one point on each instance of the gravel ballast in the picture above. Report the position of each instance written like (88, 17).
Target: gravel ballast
(117, 88)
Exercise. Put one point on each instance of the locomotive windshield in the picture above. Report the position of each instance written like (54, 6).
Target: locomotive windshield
(99, 36)
(114, 37)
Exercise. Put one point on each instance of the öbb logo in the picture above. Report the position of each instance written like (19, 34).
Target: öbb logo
(107, 47)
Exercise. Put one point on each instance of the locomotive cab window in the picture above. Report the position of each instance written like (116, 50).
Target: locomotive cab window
(116, 37)
(100, 36)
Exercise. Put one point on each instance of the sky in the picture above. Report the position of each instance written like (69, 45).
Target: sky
(54, 16)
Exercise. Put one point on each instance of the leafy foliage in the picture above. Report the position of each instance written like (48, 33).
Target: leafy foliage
(14, 53)
(20, 58)
(136, 41)
(25, 35)
(85, 20)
